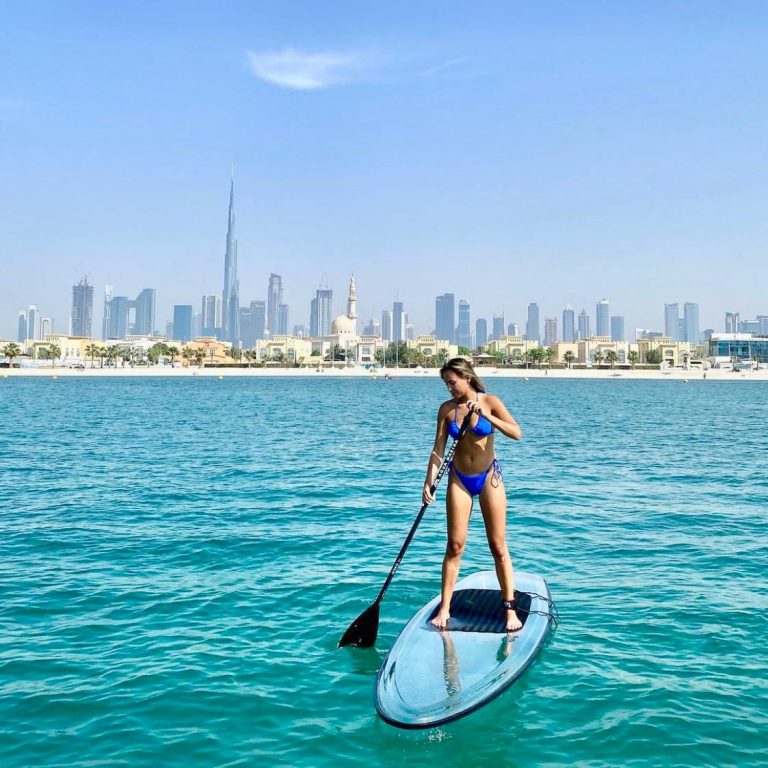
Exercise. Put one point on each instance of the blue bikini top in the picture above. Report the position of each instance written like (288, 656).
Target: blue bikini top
(483, 428)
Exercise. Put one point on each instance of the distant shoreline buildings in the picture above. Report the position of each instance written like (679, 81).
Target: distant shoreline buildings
(223, 318)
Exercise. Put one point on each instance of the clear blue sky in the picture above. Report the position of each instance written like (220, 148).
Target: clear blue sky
(557, 152)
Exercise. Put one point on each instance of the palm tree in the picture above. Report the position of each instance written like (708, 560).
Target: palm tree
(172, 352)
(188, 354)
(199, 356)
(235, 353)
(611, 357)
(550, 355)
(54, 350)
(597, 357)
(569, 358)
(92, 350)
(10, 351)
(633, 356)
(101, 353)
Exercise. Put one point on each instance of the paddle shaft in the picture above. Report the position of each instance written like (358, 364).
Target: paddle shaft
(443, 467)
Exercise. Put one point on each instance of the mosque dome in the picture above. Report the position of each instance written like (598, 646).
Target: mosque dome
(343, 325)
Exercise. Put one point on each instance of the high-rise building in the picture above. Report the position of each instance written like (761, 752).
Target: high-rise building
(497, 326)
(731, 322)
(182, 322)
(120, 308)
(82, 308)
(21, 335)
(550, 331)
(444, 317)
(282, 319)
(274, 300)
(584, 325)
(259, 315)
(372, 328)
(603, 318)
(617, 328)
(46, 327)
(145, 313)
(230, 298)
(210, 316)
(247, 330)
(300, 331)
(463, 332)
(513, 329)
(691, 318)
(672, 322)
(481, 332)
(569, 323)
(106, 317)
(320, 313)
(398, 321)
(410, 331)
(33, 323)
(386, 325)
(532, 331)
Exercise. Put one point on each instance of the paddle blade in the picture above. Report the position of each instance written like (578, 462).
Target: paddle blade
(363, 630)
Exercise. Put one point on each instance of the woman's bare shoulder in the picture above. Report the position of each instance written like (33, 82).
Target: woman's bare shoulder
(446, 408)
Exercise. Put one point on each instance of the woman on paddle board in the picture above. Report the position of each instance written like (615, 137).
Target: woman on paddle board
(474, 471)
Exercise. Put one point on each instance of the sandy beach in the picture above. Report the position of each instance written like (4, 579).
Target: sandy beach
(617, 374)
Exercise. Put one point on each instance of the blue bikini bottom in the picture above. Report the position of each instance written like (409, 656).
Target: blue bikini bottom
(474, 483)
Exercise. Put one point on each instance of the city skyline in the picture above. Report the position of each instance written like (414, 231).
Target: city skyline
(506, 155)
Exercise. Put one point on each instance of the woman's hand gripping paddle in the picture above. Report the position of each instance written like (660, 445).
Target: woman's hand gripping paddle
(363, 630)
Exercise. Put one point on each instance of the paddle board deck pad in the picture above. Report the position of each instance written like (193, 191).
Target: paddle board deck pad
(432, 676)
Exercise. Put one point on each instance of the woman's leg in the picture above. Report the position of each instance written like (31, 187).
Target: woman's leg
(493, 503)
(458, 505)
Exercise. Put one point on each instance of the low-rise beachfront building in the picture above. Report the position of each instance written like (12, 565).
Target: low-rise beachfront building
(282, 349)
(673, 353)
(430, 346)
(727, 348)
(512, 348)
(73, 348)
(212, 351)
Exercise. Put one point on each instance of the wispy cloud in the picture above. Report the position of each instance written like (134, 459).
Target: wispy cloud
(305, 71)
(443, 66)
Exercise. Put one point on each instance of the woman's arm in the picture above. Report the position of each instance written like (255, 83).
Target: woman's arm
(496, 412)
(436, 457)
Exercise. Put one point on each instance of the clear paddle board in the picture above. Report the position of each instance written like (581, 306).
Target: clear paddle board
(431, 676)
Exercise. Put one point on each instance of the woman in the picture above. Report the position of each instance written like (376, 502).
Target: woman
(474, 471)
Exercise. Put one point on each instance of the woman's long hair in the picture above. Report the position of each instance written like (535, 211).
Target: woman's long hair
(461, 367)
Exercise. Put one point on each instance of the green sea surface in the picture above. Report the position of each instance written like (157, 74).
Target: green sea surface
(179, 558)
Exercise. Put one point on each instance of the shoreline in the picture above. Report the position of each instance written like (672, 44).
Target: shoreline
(387, 374)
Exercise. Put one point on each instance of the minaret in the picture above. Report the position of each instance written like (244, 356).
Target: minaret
(352, 302)
(231, 295)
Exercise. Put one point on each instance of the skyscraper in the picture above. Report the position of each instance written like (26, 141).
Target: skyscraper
(584, 329)
(497, 326)
(120, 308)
(46, 327)
(463, 333)
(569, 323)
(230, 299)
(691, 318)
(21, 335)
(671, 321)
(398, 321)
(603, 318)
(259, 318)
(731, 322)
(182, 322)
(386, 325)
(145, 313)
(33, 323)
(372, 328)
(274, 300)
(513, 329)
(282, 319)
(82, 308)
(210, 316)
(481, 332)
(320, 313)
(617, 328)
(532, 331)
(444, 317)
(550, 331)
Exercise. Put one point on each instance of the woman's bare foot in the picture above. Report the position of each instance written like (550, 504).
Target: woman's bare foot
(513, 623)
(441, 619)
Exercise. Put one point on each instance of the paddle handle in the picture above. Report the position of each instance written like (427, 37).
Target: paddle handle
(443, 467)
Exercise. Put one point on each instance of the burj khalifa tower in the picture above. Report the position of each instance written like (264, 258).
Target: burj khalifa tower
(230, 305)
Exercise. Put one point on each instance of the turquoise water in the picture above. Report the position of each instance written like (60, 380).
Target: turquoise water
(178, 560)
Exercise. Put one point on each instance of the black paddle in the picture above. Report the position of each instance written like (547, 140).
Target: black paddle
(363, 630)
